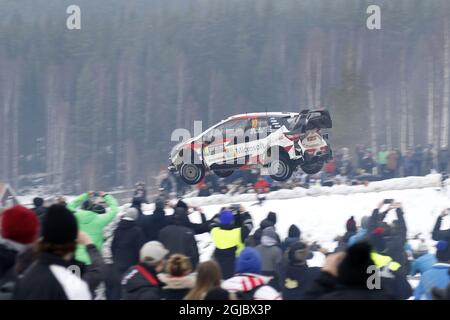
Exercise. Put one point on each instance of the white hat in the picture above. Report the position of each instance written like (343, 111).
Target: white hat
(152, 252)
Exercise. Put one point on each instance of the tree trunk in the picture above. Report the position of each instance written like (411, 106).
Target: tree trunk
(403, 104)
(446, 84)
(430, 102)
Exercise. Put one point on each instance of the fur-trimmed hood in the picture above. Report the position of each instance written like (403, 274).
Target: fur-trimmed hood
(171, 282)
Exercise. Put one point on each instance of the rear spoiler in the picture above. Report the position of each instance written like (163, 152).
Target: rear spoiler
(313, 119)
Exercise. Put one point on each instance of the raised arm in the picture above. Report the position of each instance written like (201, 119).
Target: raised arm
(74, 204)
(113, 209)
(439, 234)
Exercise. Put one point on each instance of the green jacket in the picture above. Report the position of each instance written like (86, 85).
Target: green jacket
(92, 223)
(382, 157)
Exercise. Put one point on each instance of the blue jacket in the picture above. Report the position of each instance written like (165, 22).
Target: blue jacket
(436, 277)
(357, 237)
(423, 264)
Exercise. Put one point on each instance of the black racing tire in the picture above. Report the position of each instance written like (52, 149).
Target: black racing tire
(312, 168)
(192, 173)
(283, 168)
(223, 173)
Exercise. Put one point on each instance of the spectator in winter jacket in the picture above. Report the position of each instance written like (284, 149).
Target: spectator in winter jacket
(443, 158)
(428, 160)
(351, 229)
(151, 225)
(392, 163)
(248, 283)
(19, 229)
(382, 160)
(178, 279)
(367, 163)
(262, 186)
(293, 237)
(178, 238)
(393, 279)
(297, 276)
(361, 233)
(140, 192)
(39, 208)
(418, 160)
(269, 221)
(48, 278)
(227, 238)
(127, 242)
(438, 276)
(345, 277)
(422, 264)
(141, 282)
(271, 255)
(184, 211)
(394, 235)
(408, 164)
(92, 218)
(209, 277)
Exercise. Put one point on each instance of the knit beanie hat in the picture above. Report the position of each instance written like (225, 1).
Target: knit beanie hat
(351, 225)
(272, 216)
(294, 231)
(226, 217)
(248, 261)
(19, 224)
(59, 225)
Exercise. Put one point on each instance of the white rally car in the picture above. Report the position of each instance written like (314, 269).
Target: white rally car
(275, 142)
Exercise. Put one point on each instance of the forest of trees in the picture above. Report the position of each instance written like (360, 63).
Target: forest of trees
(95, 108)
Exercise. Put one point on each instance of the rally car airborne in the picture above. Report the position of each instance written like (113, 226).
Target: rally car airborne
(275, 142)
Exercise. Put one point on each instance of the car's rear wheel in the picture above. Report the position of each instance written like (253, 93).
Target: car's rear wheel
(223, 173)
(281, 169)
(312, 168)
(192, 173)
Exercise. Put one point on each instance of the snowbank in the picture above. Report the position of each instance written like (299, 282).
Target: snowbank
(432, 180)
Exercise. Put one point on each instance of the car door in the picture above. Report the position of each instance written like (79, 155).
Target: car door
(234, 142)
(221, 149)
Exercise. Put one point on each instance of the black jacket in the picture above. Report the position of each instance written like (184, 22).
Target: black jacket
(326, 287)
(135, 286)
(127, 242)
(439, 234)
(8, 253)
(49, 279)
(297, 280)
(180, 239)
(180, 217)
(151, 225)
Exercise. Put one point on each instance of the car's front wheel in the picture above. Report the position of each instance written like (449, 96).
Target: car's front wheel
(192, 173)
(281, 169)
(312, 168)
